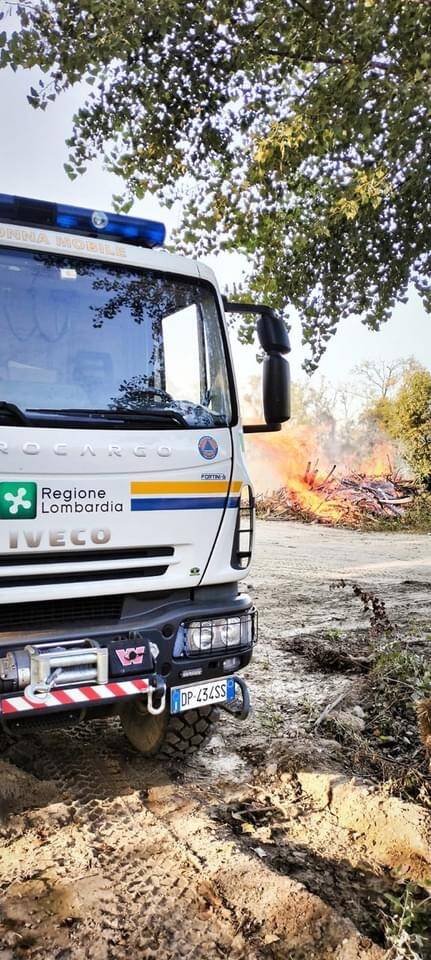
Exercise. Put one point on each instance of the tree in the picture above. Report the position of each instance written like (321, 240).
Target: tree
(380, 415)
(378, 379)
(296, 131)
(411, 423)
(313, 404)
(378, 384)
(406, 417)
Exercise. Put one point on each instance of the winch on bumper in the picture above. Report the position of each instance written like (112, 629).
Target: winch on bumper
(96, 673)
(54, 677)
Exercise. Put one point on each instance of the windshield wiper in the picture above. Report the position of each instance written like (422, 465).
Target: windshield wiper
(12, 411)
(97, 418)
(100, 418)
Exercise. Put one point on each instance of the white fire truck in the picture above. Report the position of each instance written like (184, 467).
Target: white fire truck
(126, 510)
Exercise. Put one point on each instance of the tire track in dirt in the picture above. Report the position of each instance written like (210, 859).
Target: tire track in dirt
(143, 898)
(147, 901)
(119, 868)
(114, 857)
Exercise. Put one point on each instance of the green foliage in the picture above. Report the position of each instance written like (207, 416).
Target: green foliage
(418, 514)
(381, 414)
(406, 417)
(416, 518)
(407, 923)
(297, 131)
(412, 422)
(397, 665)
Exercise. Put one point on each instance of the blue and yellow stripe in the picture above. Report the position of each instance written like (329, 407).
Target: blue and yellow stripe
(184, 494)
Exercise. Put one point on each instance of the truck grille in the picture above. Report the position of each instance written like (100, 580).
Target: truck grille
(42, 579)
(82, 556)
(32, 569)
(53, 613)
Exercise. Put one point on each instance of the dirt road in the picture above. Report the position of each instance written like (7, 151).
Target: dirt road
(263, 847)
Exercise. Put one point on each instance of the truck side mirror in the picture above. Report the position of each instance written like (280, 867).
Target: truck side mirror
(275, 390)
(272, 332)
(274, 340)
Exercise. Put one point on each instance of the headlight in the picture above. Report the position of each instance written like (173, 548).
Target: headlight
(199, 636)
(206, 636)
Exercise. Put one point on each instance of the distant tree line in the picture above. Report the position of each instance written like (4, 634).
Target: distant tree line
(382, 400)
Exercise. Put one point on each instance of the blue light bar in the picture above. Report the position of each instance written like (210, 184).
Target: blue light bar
(88, 223)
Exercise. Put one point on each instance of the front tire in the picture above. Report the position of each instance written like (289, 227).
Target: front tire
(166, 735)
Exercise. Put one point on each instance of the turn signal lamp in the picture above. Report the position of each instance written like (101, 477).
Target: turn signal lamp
(87, 223)
(243, 538)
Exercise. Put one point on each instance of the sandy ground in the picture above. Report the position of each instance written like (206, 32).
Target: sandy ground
(263, 846)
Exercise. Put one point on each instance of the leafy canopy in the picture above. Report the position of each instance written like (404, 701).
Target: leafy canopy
(297, 131)
(407, 418)
(411, 422)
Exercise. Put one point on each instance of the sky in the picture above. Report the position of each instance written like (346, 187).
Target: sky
(32, 154)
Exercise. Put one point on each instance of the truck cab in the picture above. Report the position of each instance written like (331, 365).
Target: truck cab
(126, 509)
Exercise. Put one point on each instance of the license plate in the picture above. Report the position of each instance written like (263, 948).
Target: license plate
(202, 694)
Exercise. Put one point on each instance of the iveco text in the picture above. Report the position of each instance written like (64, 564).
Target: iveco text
(33, 539)
(118, 402)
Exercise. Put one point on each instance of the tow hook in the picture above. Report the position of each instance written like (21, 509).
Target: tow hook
(240, 709)
(158, 692)
(39, 692)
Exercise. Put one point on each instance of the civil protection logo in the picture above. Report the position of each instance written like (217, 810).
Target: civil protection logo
(18, 501)
(208, 448)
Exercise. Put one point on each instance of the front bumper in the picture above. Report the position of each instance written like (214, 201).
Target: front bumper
(157, 624)
(21, 706)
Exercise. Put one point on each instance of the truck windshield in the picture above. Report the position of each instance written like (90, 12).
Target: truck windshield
(85, 335)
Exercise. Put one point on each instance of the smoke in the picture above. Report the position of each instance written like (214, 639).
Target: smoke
(284, 459)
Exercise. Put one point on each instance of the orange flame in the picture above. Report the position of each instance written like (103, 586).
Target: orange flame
(294, 459)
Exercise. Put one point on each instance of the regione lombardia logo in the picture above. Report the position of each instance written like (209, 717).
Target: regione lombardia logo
(18, 501)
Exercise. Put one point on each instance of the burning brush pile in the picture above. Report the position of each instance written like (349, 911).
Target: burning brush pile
(350, 496)
(345, 500)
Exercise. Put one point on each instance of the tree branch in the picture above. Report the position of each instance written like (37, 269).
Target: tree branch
(327, 61)
(330, 61)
